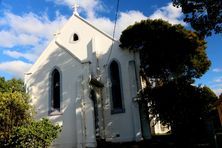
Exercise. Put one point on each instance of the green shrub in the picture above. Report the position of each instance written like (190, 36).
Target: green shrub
(14, 112)
(17, 125)
(38, 134)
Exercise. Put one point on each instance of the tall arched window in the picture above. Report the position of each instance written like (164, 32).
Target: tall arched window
(116, 95)
(55, 97)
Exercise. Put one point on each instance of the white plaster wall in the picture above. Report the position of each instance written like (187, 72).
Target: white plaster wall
(92, 40)
(127, 124)
(38, 84)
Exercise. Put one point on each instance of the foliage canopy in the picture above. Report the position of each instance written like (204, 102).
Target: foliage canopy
(17, 126)
(36, 134)
(183, 107)
(167, 52)
(205, 16)
(14, 111)
(171, 58)
(11, 85)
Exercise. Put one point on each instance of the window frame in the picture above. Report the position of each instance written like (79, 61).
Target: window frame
(122, 109)
(52, 110)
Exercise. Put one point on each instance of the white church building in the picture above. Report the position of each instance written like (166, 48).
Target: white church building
(86, 83)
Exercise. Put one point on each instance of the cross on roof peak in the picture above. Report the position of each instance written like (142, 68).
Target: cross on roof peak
(75, 8)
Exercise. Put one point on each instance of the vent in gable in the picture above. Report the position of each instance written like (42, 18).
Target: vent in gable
(75, 37)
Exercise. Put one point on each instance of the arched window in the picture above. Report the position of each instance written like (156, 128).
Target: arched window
(116, 95)
(55, 97)
(75, 37)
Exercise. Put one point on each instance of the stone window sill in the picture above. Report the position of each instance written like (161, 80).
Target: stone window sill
(55, 112)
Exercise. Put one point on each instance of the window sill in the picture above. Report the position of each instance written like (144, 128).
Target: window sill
(55, 112)
(117, 111)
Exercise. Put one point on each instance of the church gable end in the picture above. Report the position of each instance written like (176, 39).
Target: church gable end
(81, 81)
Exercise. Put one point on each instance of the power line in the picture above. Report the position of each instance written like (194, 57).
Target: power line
(117, 11)
(114, 31)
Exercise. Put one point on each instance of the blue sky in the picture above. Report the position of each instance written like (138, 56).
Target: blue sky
(27, 26)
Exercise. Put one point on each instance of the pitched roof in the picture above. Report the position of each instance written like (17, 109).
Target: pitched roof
(94, 27)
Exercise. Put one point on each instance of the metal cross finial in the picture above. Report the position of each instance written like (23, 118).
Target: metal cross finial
(75, 7)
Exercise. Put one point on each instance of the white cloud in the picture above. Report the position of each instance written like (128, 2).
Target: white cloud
(90, 7)
(218, 80)
(10, 39)
(32, 54)
(105, 24)
(23, 32)
(217, 70)
(33, 31)
(17, 55)
(16, 68)
(217, 91)
(28, 30)
(128, 18)
(30, 23)
(2, 22)
(169, 13)
(125, 19)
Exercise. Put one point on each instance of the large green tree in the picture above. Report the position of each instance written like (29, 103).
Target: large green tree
(167, 52)
(172, 57)
(205, 16)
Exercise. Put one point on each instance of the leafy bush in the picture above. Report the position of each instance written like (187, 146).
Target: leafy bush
(14, 112)
(17, 125)
(38, 134)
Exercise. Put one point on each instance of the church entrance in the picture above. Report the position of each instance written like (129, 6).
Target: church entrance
(96, 97)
